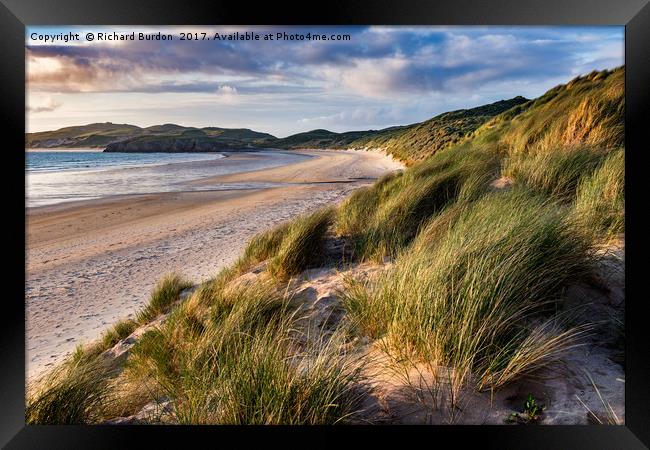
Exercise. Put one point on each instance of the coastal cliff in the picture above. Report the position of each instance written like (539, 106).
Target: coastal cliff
(173, 145)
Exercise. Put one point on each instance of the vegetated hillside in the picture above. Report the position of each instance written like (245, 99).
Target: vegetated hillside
(408, 143)
(419, 141)
(192, 140)
(98, 135)
(434, 296)
(320, 139)
(91, 135)
(587, 111)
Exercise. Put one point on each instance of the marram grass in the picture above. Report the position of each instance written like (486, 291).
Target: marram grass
(166, 292)
(384, 218)
(245, 364)
(600, 198)
(303, 246)
(466, 299)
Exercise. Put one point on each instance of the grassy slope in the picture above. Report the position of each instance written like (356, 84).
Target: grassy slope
(102, 134)
(409, 143)
(491, 267)
(91, 135)
(488, 262)
(419, 141)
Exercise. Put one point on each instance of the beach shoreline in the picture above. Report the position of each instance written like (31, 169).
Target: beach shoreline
(93, 262)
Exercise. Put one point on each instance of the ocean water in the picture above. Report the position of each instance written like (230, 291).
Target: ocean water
(53, 177)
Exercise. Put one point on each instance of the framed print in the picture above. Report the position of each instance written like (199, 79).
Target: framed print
(397, 219)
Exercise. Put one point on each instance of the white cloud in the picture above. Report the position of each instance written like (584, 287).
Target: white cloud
(39, 104)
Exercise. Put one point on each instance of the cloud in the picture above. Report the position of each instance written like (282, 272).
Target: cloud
(382, 76)
(45, 104)
(355, 117)
(377, 61)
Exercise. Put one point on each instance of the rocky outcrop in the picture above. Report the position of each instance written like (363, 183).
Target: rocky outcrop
(174, 145)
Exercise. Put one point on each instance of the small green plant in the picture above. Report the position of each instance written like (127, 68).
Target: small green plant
(531, 413)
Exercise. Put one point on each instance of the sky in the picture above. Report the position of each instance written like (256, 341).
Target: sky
(378, 77)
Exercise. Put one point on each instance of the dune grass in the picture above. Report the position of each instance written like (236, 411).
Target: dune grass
(117, 332)
(303, 245)
(600, 199)
(354, 212)
(587, 111)
(479, 283)
(262, 246)
(383, 219)
(74, 393)
(229, 354)
(245, 363)
(166, 292)
(557, 173)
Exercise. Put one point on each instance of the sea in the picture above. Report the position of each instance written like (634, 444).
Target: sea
(59, 176)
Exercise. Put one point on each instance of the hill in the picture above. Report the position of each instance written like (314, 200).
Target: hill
(133, 138)
(421, 140)
(408, 143)
(91, 135)
(189, 139)
(320, 139)
(587, 111)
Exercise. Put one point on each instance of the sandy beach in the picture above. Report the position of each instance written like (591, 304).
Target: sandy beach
(91, 263)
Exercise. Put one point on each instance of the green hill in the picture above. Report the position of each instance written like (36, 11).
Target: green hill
(408, 143)
(91, 135)
(166, 137)
(320, 139)
(419, 141)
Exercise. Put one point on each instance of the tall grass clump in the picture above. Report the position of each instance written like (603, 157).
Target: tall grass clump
(555, 173)
(239, 360)
(262, 246)
(600, 199)
(74, 393)
(303, 245)
(166, 292)
(117, 332)
(382, 220)
(354, 212)
(467, 298)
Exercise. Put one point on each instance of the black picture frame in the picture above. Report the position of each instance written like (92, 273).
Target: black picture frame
(16, 14)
